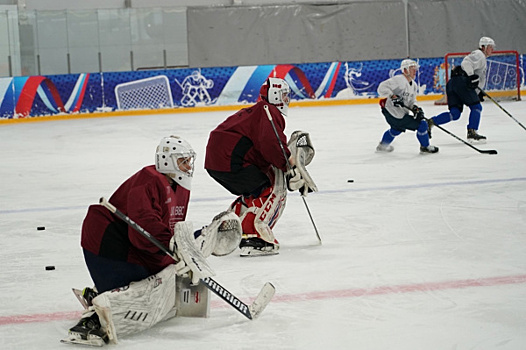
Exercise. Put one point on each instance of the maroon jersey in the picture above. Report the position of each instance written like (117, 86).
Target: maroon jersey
(246, 138)
(148, 199)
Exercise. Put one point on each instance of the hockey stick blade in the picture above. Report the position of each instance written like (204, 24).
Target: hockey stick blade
(249, 311)
(262, 300)
(490, 151)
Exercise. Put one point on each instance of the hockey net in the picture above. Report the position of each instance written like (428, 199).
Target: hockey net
(149, 93)
(503, 74)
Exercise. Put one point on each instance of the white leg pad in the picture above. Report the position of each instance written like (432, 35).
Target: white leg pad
(138, 306)
(271, 210)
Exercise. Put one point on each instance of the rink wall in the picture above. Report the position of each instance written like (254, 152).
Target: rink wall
(165, 90)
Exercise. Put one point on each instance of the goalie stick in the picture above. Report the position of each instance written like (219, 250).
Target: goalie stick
(489, 151)
(289, 168)
(251, 311)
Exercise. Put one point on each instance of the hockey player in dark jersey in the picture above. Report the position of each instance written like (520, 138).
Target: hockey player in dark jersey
(128, 270)
(463, 89)
(244, 155)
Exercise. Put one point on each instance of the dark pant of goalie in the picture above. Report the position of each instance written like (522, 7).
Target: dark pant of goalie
(248, 181)
(108, 274)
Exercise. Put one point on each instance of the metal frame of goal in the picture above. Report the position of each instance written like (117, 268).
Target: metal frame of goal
(503, 74)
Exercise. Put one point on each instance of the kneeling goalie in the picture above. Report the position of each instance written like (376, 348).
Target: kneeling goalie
(135, 282)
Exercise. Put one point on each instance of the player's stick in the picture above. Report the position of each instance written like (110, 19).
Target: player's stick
(289, 168)
(498, 105)
(489, 151)
(249, 311)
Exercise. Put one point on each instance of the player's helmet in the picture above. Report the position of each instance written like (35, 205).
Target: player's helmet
(408, 63)
(486, 41)
(175, 158)
(276, 91)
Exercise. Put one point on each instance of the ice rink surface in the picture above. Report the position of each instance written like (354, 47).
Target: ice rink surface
(419, 252)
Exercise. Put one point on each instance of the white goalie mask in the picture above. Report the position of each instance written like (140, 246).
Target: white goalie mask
(175, 158)
(276, 91)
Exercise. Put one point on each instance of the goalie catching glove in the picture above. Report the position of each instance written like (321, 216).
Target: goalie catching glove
(302, 153)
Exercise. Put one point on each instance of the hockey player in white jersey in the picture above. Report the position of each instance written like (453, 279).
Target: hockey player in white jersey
(462, 89)
(399, 97)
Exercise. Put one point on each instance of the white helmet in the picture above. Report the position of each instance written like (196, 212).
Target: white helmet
(408, 63)
(486, 41)
(175, 158)
(276, 91)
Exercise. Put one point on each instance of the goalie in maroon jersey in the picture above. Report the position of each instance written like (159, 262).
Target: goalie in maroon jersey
(244, 155)
(129, 271)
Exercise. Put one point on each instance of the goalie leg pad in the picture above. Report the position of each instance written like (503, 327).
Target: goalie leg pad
(268, 214)
(259, 215)
(138, 306)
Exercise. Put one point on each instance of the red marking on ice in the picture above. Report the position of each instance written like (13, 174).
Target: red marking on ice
(321, 295)
(55, 316)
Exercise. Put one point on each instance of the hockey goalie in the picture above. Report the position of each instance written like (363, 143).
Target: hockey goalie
(248, 155)
(136, 283)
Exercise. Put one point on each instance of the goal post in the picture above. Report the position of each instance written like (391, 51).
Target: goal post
(503, 74)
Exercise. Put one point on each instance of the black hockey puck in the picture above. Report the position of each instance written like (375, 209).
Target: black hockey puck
(49, 268)
(350, 180)
(41, 228)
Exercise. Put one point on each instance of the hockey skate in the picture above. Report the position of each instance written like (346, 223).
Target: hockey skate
(87, 331)
(428, 149)
(474, 136)
(383, 147)
(85, 296)
(257, 247)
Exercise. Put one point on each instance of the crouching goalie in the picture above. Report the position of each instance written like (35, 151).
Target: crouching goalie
(135, 282)
(248, 155)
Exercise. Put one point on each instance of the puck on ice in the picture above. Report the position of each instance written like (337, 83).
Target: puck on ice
(350, 180)
(49, 268)
(41, 228)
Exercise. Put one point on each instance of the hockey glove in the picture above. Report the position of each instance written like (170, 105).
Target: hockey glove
(481, 96)
(418, 113)
(473, 81)
(398, 101)
(294, 180)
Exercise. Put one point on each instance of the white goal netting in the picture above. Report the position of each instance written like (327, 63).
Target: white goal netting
(149, 93)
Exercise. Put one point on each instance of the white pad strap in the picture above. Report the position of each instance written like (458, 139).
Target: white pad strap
(269, 213)
(138, 306)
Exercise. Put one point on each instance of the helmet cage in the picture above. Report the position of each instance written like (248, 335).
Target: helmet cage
(175, 158)
(276, 91)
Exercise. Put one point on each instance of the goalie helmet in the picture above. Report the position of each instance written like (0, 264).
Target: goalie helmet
(276, 91)
(486, 41)
(407, 63)
(175, 158)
